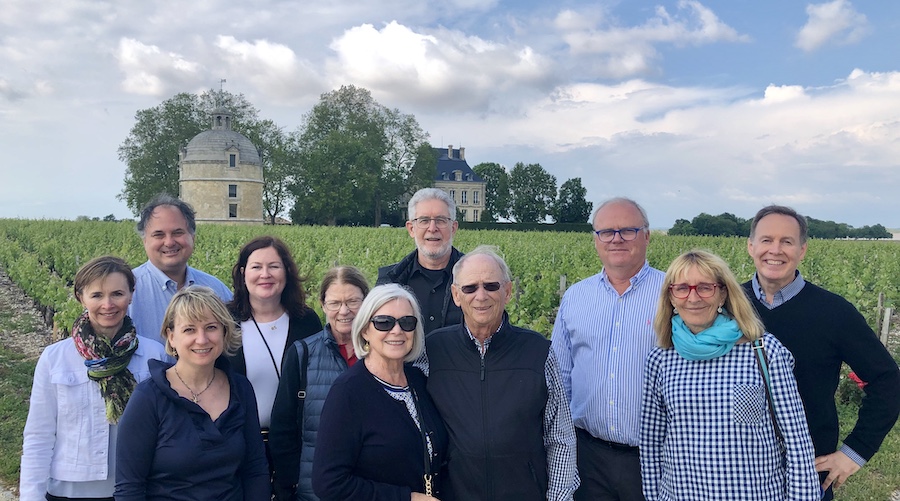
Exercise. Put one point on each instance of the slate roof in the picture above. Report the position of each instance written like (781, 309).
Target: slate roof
(447, 164)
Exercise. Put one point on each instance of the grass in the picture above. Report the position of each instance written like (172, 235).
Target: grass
(15, 386)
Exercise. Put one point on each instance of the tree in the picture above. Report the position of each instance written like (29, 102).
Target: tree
(532, 192)
(496, 190)
(278, 163)
(150, 151)
(357, 159)
(682, 227)
(571, 205)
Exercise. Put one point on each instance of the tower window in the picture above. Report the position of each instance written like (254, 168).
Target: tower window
(232, 160)
(232, 191)
(232, 210)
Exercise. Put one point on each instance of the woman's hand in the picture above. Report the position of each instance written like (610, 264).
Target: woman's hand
(418, 496)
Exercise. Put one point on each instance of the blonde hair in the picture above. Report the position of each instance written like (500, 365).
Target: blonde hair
(375, 299)
(192, 303)
(736, 306)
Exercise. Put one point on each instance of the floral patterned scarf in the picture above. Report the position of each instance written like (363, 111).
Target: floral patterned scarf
(107, 362)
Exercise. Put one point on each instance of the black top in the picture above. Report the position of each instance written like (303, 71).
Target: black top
(822, 330)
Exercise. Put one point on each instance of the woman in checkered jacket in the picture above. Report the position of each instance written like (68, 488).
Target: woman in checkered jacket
(707, 429)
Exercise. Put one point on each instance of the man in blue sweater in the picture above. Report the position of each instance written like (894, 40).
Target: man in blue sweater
(822, 330)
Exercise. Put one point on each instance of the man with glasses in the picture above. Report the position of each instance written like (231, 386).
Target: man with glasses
(822, 330)
(498, 389)
(427, 270)
(602, 336)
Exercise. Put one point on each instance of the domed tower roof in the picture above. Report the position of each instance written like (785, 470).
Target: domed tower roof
(209, 145)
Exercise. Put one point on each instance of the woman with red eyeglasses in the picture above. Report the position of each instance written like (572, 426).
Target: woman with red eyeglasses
(380, 435)
(721, 417)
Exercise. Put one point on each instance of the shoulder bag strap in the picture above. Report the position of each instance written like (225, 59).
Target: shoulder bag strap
(303, 352)
(762, 361)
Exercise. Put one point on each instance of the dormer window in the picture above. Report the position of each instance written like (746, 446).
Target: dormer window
(444, 176)
(457, 175)
(232, 160)
(468, 176)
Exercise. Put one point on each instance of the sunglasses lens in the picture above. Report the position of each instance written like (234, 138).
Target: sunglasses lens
(491, 286)
(384, 323)
(488, 286)
(468, 289)
(408, 323)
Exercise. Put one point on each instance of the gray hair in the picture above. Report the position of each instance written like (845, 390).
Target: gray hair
(622, 200)
(378, 297)
(484, 250)
(784, 211)
(431, 194)
(165, 199)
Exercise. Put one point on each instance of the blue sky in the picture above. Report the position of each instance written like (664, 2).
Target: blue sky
(685, 106)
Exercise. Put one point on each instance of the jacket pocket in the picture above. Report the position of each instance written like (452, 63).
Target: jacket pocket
(72, 395)
(748, 404)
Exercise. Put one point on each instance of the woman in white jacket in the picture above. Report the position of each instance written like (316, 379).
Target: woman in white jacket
(81, 385)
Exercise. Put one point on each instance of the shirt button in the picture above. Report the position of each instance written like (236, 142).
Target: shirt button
(617, 324)
(612, 402)
(611, 375)
(614, 348)
(431, 317)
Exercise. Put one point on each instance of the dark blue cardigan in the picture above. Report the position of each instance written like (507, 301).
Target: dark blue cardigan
(169, 448)
(368, 447)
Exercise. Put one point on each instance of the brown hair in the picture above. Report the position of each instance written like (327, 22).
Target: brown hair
(293, 297)
(343, 274)
(99, 268)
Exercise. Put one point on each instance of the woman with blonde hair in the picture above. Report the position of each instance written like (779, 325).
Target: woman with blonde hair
(720, 420)
(192, 430)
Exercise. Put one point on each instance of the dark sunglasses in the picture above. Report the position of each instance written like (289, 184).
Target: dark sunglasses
(385, 323)
(488, 286)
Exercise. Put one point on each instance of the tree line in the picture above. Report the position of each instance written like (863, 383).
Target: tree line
(729, 225)
(352, 161)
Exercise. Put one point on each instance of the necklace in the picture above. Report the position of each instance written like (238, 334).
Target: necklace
(195, 397)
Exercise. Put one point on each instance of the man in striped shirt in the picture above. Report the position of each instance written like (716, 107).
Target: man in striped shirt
(602, 335)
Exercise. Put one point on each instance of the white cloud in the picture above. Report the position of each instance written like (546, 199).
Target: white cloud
(272, 68)
(150, 71)
(628, 51)
(836, 21)
(434, 69)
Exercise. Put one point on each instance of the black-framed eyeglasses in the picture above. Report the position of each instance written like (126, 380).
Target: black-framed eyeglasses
(488, 286)
(609, 234)
(385, 323)
(352, 304)
(440, 222)
(704, 290)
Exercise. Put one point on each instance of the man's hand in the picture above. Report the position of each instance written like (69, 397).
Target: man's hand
(839, 467)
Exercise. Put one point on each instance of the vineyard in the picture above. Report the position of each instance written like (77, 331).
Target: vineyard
(43, 256)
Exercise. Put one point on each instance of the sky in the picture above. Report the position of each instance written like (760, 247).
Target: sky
(685, 106)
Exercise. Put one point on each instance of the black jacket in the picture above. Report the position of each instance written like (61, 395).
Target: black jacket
(400, 273)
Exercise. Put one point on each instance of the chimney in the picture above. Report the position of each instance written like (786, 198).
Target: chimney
(450, 151)
(462, 153)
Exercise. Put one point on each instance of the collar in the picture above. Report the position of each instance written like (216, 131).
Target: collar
(483, 347)
(163, 281)
(639, 278)
(784, 295)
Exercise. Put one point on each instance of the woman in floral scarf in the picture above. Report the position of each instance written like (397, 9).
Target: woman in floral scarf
(81, 385)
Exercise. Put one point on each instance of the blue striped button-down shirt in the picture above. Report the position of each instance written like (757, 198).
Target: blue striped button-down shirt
(601, 340)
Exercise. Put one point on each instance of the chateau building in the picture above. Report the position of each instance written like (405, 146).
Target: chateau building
(220, 175)
(462, 183)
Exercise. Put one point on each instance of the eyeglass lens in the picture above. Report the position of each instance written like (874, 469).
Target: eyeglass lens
(385, 323)
(609, 235)
(336, 305)
(425, 222)
(488, 286)
(682, 291)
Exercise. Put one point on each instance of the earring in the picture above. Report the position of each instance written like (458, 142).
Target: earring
(366, 347)
(674, 311)
(720, 309)
(174, 353)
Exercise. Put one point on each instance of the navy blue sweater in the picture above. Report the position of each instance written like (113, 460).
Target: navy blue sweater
(169, 449)
(369, 447)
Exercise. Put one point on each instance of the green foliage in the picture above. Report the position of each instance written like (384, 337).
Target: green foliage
(15, 386)
(728, 225)
(496, 191)
(571, 206)
(357, 159)
(532, 192)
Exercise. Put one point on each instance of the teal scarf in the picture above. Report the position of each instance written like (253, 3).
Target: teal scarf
(713, 342)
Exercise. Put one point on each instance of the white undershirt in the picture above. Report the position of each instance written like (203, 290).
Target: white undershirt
(260, 369)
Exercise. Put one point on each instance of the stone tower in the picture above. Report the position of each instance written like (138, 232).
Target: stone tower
(220, 175)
